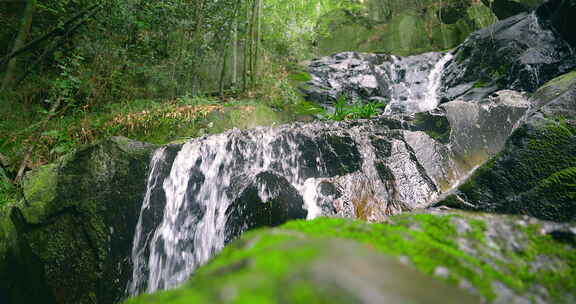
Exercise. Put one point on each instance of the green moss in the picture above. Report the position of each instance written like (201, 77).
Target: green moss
(39, 192)
(437, 127)
(539, 155)
(428, 240)
(253, 268)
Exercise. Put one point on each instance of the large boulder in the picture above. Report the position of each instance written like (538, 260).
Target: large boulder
(265, 200)
(75, 226)
(521, 52)
(535, 174)
(436, 257)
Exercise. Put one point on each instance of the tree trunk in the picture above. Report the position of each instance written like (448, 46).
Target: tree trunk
(19, 43)
(234, 71)
(257, 36)
(247, 44)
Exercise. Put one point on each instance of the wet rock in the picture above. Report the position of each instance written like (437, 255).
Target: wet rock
(76, 224)
(407, 84)
(351, 74)
(560, 15)
(535, 173)
(521, 53)
(219, 186)
(480, 129)
(268, 200)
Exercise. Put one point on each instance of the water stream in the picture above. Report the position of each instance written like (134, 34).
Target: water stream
(346, 169)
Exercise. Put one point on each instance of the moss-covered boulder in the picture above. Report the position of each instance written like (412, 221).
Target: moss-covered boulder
(75, 226)
(413, 258)
(535, 174)
(402, 27)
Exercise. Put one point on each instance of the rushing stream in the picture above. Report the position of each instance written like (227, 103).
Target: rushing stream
(365, 170)
(205, 193)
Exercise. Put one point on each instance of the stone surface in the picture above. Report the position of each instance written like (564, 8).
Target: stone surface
(560, 15)
(266, 200)
(75, 226)
(404, 83)
(535, 174)
(481, 258)
(521, 53)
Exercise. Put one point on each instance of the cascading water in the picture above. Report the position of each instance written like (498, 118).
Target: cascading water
(407, 84)
(197, 203)
(414, 82)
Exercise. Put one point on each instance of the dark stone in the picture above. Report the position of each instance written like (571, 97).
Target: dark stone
(249, 211)
(560, 15)
(435, 124)
(507, 8)
(340, 155)
(76, 225)
(521, 53)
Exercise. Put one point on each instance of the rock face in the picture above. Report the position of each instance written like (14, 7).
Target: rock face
(520, 53)
(402, 27)
(407, 84)
(491, 258)
(535, 174)
(75, 227)
(560, 15)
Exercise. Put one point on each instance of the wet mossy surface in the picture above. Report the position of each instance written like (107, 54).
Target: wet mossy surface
(494, 257)
(534, 173)
(75, 225)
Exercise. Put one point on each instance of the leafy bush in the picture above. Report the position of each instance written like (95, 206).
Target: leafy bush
(344, 111)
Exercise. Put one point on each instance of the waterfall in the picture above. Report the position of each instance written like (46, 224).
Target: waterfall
(197, 196)
(415, 81)
(196, 203)
(200, 195)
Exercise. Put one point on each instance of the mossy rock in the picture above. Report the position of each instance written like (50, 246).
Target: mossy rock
(534, 174)
(76, 223)
(413, 258)
(403, 28)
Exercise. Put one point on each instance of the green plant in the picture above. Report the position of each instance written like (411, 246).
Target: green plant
(7, 189)
(344, 111)
(62, 142)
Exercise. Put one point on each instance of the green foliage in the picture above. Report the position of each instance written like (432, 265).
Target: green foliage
(343, 111)
(7, 189)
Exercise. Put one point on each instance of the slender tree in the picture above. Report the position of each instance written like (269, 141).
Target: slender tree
(19, 43)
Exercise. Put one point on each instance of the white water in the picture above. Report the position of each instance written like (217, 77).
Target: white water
(186, 239)
(431, 101)
(411, 90)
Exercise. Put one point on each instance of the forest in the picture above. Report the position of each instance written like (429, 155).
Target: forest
(287, 151)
